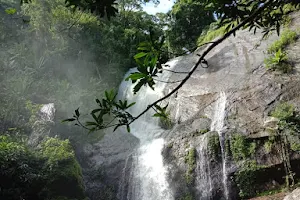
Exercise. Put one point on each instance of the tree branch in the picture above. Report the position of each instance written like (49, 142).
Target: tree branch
(212, 46)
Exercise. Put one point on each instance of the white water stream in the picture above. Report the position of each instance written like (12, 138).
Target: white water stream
(218, 125)
(203, 170)
(147, 174)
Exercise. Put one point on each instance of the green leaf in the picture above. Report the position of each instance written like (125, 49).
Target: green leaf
(135, 76)
(140, 55)
(131, 104)
(77, 112)
(91, 124)
(95, 111)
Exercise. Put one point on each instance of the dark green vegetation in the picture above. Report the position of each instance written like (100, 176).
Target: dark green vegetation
(241, 148)
(50, 172)
(247, 178)
(188, 20)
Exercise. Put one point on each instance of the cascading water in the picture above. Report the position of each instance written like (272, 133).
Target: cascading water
(41, 127)
(218, 126)
(147, 178)
(203, 178)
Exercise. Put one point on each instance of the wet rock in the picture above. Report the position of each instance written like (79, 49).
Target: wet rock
(295, 195)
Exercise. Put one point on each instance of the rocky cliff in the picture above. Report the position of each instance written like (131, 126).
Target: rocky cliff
(205, 163)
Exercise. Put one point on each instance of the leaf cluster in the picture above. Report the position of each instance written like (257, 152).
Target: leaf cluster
(148, 61)
(241, 148)
(289, 119)
(103, 8)
(286, 37)
(278, 62)
(41, 173)
(269, 19)
(109, 109)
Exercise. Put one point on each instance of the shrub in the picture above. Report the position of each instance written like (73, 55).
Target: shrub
(64, 176)
(241, 148)
(50, 173)
(247, 178)
(287, 37)
(279, 62)
(21, 175)
(283, 111)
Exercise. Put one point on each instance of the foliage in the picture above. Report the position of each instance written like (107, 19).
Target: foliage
(286, 136)
(203, 131)
(102, 8)
(187, 21)
(211, 34)
(64, 56)
(190, 159)
(269, 19)
(20, 172)
(33, 109)
(107, 107)
(149, 63)
(283, 111)
(278, 62)
(47, 173)
(268, 145)
(64, 176)
(241, 148)
(247, 178)
(286, 37)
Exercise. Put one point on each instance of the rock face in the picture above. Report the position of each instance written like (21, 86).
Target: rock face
(104, 164)
(295, 195)
(236, 68)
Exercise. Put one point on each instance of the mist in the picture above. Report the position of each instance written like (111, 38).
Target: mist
(52, 55)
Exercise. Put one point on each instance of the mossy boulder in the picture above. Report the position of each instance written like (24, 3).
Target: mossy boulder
(51, 172)
(64, 176)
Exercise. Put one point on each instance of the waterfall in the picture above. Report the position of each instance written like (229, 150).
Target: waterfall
(203, 178)
(147, 177)
(218, 125)
(42, 126)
